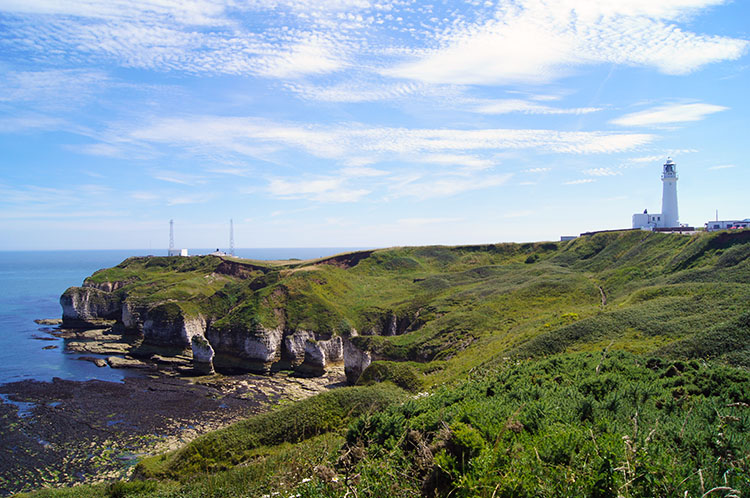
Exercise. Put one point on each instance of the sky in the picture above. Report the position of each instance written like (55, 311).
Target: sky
(364, 123)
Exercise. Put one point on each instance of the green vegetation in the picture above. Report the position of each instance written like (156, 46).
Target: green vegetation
(237, 444)
(610, 365)
(584, 424)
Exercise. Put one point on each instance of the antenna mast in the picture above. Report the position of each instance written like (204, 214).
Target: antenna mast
(231, 237)
(171, 236)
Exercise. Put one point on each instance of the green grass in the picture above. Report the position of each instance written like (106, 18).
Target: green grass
(237, 444)
(584, 424)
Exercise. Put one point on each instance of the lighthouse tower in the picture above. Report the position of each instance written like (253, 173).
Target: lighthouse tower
(669, 214)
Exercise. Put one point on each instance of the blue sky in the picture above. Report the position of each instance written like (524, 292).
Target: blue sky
(364, 122)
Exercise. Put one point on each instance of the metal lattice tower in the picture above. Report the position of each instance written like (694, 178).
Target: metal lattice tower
(231, 237)
(171, 236)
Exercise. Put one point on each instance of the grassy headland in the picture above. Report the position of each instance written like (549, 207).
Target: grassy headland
(610, 365)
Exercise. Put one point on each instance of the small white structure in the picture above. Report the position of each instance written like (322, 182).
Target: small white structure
(713, 226)
(178, 252)
(669, 217)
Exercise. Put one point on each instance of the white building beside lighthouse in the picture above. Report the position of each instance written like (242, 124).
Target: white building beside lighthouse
(669, 216)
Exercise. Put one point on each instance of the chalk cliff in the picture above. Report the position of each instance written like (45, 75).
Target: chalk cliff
(226, 325)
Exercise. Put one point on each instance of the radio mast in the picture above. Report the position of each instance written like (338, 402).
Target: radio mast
(231, 237)
(171, 237)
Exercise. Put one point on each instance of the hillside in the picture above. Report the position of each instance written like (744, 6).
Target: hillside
(611, 365)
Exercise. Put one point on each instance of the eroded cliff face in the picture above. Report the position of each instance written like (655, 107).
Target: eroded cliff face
(167, 325)
(250, 347)
(88, 306)
(254, 349)
(355, 361)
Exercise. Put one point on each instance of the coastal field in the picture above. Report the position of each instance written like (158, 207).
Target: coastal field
(614, 364)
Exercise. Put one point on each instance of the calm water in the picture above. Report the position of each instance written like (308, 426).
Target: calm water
(30, 286)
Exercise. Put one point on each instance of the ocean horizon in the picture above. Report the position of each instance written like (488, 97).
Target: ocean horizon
(31, 283)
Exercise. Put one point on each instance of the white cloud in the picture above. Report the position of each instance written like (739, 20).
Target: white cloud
(99, 149)
(320, 189)
(579, 182)
(537, 41)
(190, 12)
(669, 114)
(19, 124)
(508, 106)
(359, 90)
(442, 186)
(537, 170)
(646, 159)
(179, 178)
(311, 55)
(601, 172)
(722, 166)
(53, 88)
(249, 136)
(355, 171)
(465, 162)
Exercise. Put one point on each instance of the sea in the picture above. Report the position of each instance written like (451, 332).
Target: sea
(31, 283)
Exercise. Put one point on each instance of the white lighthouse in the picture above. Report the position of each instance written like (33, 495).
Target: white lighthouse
(669, 217)
(669, 213)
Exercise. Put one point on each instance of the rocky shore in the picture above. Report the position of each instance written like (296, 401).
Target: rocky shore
(64, 432)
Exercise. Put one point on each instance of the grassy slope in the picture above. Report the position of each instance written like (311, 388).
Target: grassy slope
(479, 309)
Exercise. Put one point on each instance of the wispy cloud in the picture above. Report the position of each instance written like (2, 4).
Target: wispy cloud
(669, 115)
(428, 187)
(536, 41)
(601, 172)
(247, 136)
(179, 177)
(31, 122)
(53, 88)
(318, 189)
(579, 182)
(537, 170)
(508, 106)
(722, 166)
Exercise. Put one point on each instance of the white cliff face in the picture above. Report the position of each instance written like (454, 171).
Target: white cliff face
(167, 325)
(191, 327)
(88, 303)
(333, 349)
(294, 346)
(264, 347)
(355, 361)
(320, 355)
(133, 316)
(244, 347)
(203, 355)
